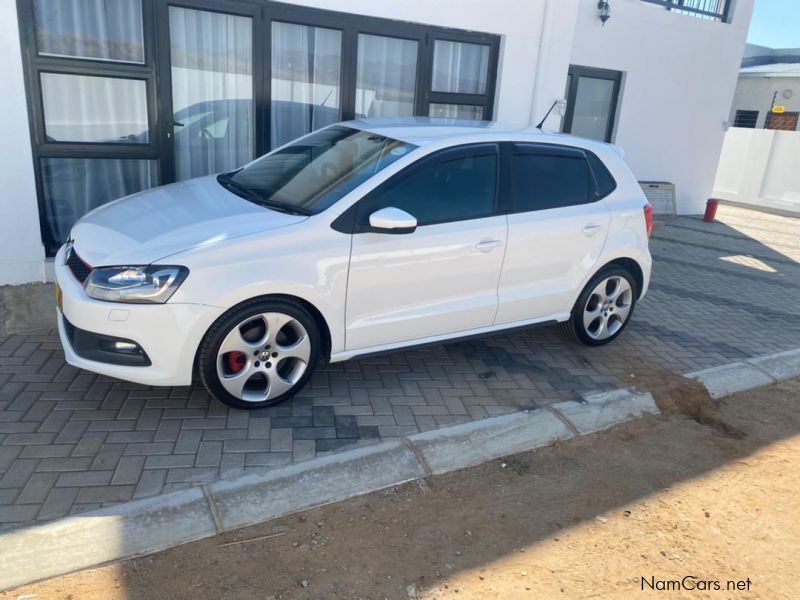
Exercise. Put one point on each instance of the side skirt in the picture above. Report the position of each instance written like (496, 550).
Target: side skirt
(440, 340)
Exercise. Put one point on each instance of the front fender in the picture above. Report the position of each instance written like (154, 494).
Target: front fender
(310, 262)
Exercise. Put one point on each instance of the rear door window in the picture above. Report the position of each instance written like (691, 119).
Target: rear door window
(544, 178)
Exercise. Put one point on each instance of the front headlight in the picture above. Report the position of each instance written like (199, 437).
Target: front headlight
(143, 284)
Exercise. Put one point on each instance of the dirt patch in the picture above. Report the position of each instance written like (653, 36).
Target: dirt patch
(653, 500)
(677, 396)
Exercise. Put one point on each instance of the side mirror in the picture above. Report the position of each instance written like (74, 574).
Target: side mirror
(392, 220)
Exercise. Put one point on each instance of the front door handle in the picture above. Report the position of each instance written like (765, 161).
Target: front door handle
(591, 229)
(488, 245)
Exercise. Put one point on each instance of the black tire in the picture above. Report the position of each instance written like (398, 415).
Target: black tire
(207, 356)
(575, 325)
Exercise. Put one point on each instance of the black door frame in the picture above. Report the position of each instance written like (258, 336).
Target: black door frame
(575, 73)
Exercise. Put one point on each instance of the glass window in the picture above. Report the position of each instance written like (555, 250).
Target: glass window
(93, 29)
(211, 57)
(457, 111)
(306, 73)
(74, 186)
(593, 104)
(746, 118)
(310, 175)
(83, 108)
(455, 190)
(460, 68)
(386, 77)
(543, 181)
(605, 182)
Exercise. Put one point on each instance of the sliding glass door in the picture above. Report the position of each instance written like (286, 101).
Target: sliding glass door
(211, 73)
(306, 80)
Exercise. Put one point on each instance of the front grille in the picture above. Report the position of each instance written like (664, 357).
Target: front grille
(79, 268)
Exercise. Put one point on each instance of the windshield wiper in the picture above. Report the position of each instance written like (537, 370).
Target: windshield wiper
(226, 181)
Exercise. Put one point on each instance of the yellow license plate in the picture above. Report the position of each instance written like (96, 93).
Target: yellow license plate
(59, 298)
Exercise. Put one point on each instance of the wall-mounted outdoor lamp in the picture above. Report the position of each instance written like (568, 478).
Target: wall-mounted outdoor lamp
(605, 11)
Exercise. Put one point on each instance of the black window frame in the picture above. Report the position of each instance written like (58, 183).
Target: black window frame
(747, 119)
(573, 78)
(523, 148)
(156, 72)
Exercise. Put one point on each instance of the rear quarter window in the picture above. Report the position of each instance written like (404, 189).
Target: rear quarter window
(605, 181)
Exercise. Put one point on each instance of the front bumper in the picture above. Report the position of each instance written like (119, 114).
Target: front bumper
(168, 333)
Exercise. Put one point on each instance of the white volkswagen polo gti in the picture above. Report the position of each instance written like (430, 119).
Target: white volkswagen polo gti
(362, 237)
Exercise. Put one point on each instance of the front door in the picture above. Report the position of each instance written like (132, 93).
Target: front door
(442, 278)
(211, 109)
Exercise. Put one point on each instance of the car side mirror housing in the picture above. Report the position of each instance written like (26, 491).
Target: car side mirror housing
(392, 220)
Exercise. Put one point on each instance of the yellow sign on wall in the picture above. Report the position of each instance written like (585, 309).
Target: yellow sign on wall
(779, 110)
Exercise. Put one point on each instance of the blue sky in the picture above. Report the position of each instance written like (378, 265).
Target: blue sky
(776, 23)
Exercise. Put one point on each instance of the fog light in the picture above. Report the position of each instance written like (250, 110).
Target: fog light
(120, 347)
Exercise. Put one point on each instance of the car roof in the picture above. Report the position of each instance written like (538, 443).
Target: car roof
(424, 131)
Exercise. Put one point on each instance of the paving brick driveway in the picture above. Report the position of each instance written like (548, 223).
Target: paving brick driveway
(71, 441)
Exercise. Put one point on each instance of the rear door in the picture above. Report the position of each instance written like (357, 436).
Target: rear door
(557, 226)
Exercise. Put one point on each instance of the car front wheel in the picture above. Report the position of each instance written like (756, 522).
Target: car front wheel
(259, 353)
(604, 307)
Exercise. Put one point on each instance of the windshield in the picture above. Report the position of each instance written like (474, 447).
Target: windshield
(315, 172)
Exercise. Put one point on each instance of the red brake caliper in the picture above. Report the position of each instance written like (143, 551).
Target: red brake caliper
(236, 361)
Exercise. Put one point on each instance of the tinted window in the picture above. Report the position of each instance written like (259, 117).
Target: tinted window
(605, 182)
(316, 171)
(542, 181)
(452, 190)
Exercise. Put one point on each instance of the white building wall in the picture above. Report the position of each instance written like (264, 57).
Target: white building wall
(756, 93)
(680, 73)
(759, 167)
(21, 250)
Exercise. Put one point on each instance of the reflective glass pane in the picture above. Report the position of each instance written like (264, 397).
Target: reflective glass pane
(460, 68)
(83, 108)
(593, 108)
(457, 111)
(306, 71)
(95, 29)
(455, 190)
(212, 91)
(74, 186)
(386, 77)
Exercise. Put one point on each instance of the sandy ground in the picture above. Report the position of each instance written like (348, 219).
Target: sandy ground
(707, 491)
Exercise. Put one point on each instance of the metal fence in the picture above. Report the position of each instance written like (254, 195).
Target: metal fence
(715, 10)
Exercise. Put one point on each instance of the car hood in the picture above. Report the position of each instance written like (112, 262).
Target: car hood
(159, 222)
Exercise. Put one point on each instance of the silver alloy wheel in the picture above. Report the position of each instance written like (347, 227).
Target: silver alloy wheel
(607, 308)
(263, 357)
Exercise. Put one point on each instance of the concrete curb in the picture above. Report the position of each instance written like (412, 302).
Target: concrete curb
(145, 526)
(750, 374)
(101, 536)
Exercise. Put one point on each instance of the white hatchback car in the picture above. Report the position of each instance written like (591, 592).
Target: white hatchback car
(363, 237)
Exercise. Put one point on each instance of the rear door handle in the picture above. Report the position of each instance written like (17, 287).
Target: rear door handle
(488, 245)
(591, 229)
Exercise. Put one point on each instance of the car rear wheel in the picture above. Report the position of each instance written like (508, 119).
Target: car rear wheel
(604, 307)
(259, 353)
